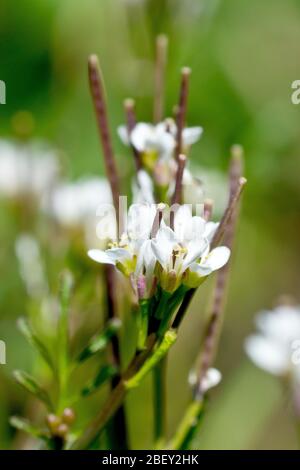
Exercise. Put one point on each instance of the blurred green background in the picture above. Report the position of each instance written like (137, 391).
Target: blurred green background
(244, 57)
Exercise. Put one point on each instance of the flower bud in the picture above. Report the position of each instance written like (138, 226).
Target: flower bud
(62, 430)
(53, 422)
(68, 416)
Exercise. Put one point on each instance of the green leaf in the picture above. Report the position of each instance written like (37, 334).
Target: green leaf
(100, 342)
(30, 384)
(26, 426)
(105, 373)
(34, 341)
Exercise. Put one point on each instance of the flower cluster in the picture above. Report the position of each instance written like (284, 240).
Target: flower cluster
(169, 258)
(163, 246)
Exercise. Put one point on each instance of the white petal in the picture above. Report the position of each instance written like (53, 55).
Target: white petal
(267, 354)
(100, 256)
(140, 221)
(163, 245)
(143, 189)
(123, 134)
(283, 323)
(212, 378)
(190, 135)
(140, 135)
(119, 254)
(166, 143)
(145, 259)
(217, 258)
(195, 250)
(182, 220)
(210, 230)
(200, 269)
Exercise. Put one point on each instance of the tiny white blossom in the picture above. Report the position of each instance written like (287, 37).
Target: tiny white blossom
(150, 138)
(131, 253)
(211, 379)
(184, 253)
(159, 141)
(72, 204)
(273, 348)
(26, 169)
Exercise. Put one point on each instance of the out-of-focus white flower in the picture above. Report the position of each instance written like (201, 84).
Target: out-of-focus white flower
(184, 253)
(158, 141)
(30, 265)
(74, 204)
(274, 348)
(154, 140)
(211, 379)
(26, 169)
(131, 253)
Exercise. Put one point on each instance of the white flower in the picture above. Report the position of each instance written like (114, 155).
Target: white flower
(150, 138)
(273, 348)
(78, 205)
(158, 141)
(26, 169)
(131, 254)
(211, 379)
(184, 253)
(72, 204)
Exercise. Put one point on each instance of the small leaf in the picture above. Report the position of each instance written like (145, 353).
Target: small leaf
(26, 426)
(105, 373)
(100, 342)
(30, 384)
(32, 338)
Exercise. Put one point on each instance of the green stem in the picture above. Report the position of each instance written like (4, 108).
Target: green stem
(159, 401)
(63, 339)
(158, 354)
(170, 307)
(143, 321)
(163, 304)
(115, 399)
(136, 371)
(188, 426)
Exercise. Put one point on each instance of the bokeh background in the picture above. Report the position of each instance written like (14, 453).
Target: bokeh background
(244, 57)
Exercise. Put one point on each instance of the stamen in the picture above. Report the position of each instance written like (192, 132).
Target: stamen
(182, 108)
(129, 106)
(98, 95)
(159, 77)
